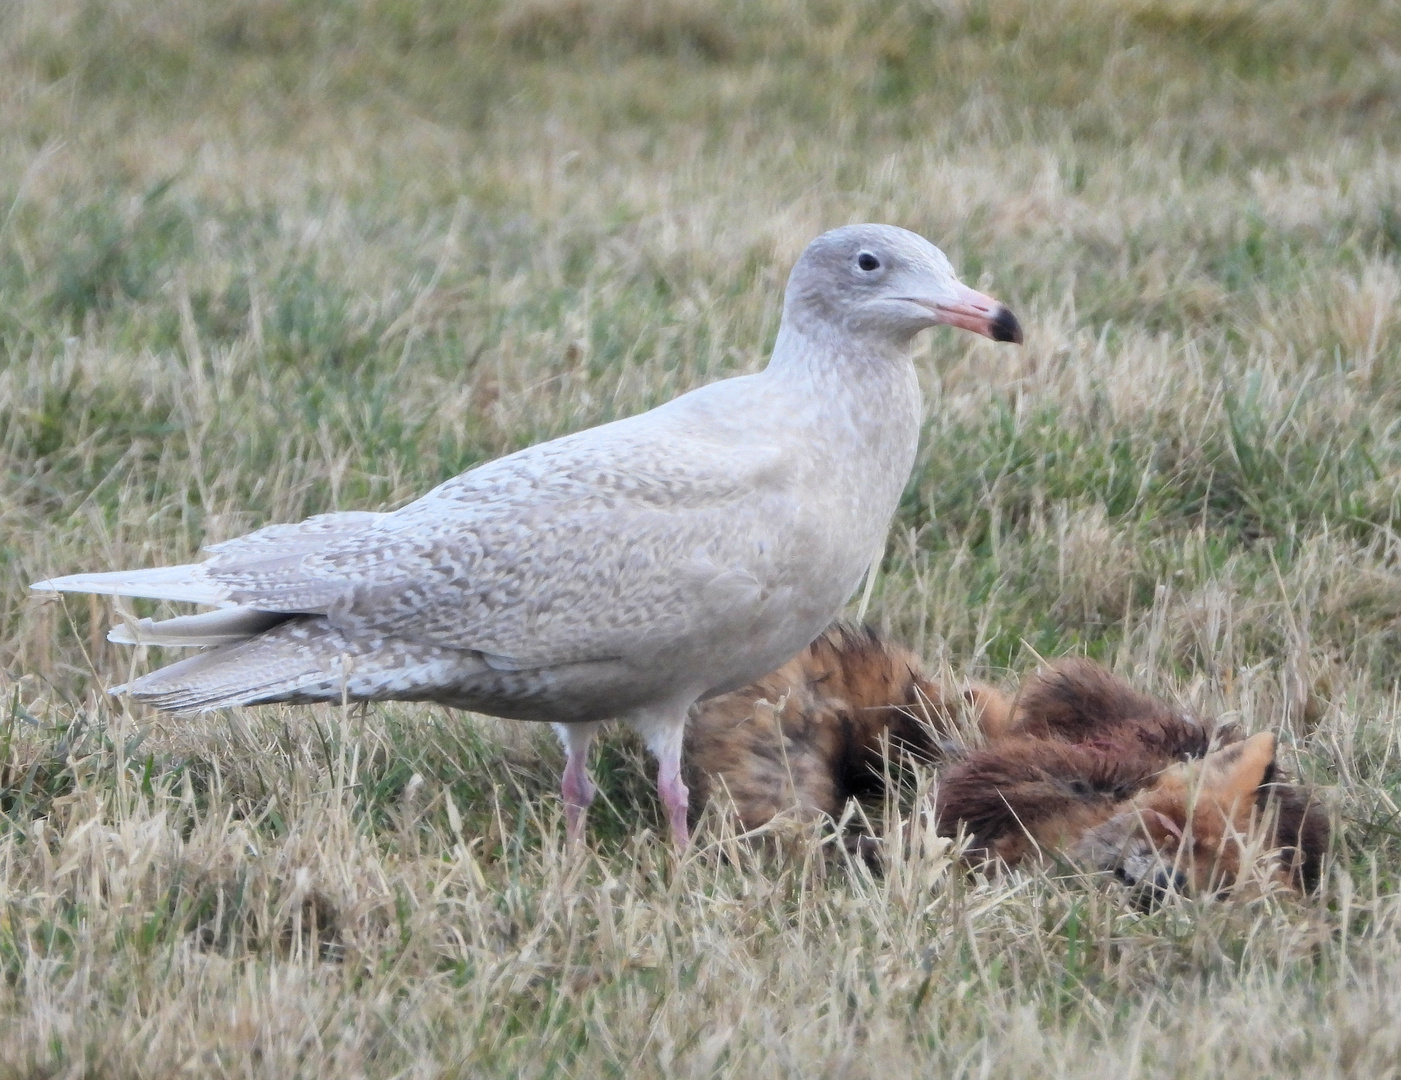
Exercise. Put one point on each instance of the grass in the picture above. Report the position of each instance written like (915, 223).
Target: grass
(272, 257)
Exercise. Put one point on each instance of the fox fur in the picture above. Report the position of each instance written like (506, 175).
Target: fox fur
(815, 732)
(1078, 766)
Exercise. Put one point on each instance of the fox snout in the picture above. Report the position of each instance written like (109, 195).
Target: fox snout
(1151, 880)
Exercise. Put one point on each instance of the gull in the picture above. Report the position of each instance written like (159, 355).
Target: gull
(623, 572)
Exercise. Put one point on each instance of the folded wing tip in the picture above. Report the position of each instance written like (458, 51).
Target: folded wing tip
(122, 634)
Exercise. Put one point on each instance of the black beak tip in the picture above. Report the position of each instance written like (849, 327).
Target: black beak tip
(1005, 327)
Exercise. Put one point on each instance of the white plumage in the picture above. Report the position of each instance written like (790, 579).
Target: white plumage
(621, 572)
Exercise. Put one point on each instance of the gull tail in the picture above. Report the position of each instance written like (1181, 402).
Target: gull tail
(189, 583)
(303, 659)
(300, 659)
(226, 626)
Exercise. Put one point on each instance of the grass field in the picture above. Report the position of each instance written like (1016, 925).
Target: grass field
(266, 258)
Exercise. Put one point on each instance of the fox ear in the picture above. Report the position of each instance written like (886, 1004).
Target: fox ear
(1231, 776)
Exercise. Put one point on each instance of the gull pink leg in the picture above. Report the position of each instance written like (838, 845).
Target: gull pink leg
(676, 798)
(664, 736)
(576, 787)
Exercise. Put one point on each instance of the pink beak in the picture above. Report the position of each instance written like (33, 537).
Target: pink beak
(975, 311)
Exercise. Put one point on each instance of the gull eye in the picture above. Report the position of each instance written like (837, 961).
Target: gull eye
(867, 261)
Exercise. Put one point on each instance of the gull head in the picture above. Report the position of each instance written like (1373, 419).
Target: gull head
(885, 284)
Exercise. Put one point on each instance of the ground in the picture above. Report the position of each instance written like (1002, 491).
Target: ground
(266, 258)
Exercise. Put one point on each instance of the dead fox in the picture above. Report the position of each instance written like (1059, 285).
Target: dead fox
(1079, 765)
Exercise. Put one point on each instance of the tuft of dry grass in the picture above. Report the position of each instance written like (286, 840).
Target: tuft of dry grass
(274, 257)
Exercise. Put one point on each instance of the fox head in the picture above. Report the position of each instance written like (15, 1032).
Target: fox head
(1157, 824)
(1199, 820)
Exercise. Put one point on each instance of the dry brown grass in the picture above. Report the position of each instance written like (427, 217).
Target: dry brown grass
(272, 257)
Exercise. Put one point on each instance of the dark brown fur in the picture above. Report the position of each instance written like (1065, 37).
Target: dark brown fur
(1074, 700)
(1079, 764)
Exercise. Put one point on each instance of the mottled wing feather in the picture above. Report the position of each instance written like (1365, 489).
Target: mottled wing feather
(277, 546)
(596, 586)
(541, 558)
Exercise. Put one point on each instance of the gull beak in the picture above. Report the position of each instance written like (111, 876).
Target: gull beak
(975, 311)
